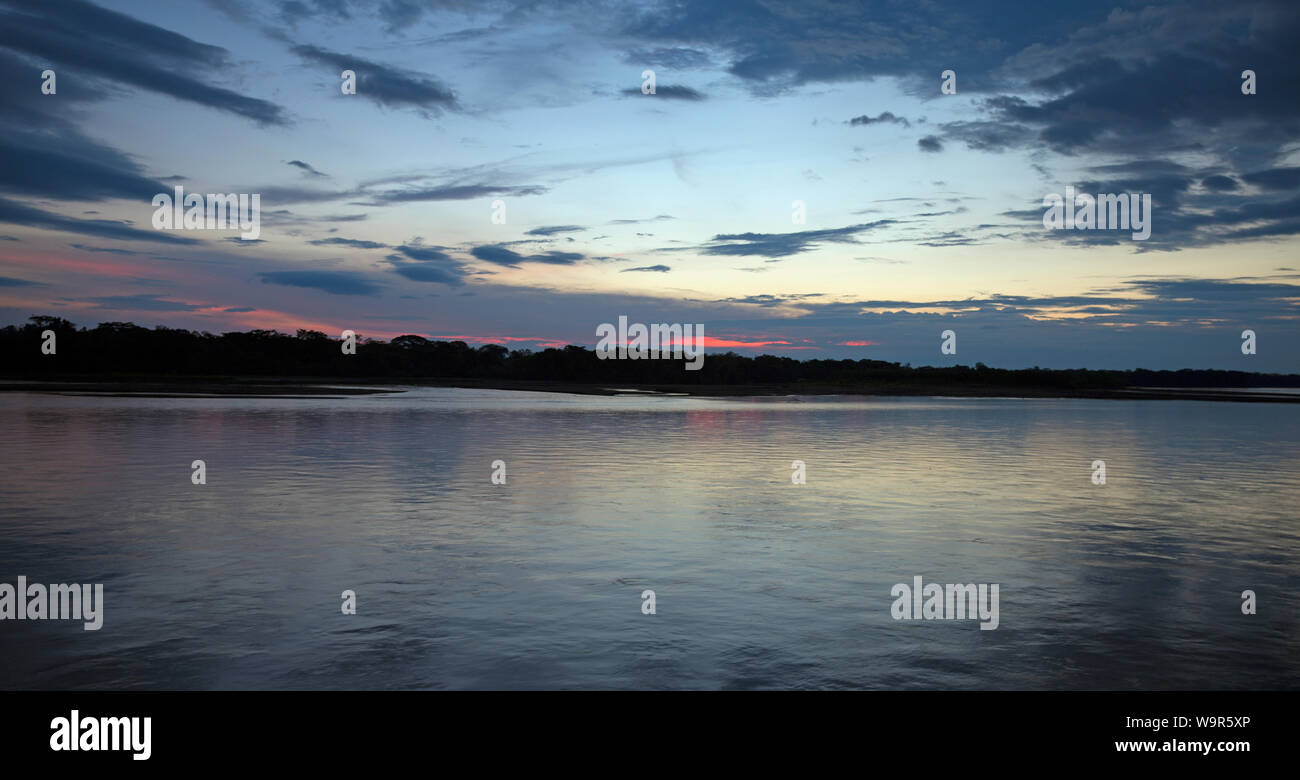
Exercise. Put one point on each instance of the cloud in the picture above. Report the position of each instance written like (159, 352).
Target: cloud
(930, 143)
(352, 242)
(495, 253)
(141, 303)
(777, 45)
(429, 272)
(104, 250)
(951, 238)
(16, 213)
(454, 192)
(102, 44)
(429, 264)
(9, 281)
(1157, 80)
(294, 11)
(425, 253)
(654, 268)
(388, 86)
(333, 282)
(44, 155)
(886, 116)
(674, 57)
(1181, 218)
(778, 245)
(550, 231)
(659, 218)
(768, 301)
(29, 166)
(667, 91)
(1220, 183)
(983, 136)
(307, 168)
(1139, 301)
(1275, 178)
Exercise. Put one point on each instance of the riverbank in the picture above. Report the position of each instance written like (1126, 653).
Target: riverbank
(311, 387)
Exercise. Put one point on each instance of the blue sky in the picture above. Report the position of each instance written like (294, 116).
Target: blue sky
(923, 209)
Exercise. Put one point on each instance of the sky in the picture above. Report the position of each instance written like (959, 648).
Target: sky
(922, 208)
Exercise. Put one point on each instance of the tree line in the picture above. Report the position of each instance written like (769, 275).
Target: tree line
(125, 350)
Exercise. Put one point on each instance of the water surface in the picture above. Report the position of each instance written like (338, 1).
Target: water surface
(759, 583)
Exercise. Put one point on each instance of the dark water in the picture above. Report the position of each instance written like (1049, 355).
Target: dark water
(759, 583)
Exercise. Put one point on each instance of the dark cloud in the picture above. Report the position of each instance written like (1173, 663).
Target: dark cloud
(284, 195)
(776, 45)
(1179, 219)
(1146, 85)
(674, 57)
(307, 168)
(1220, 183)
(950, 238)
(432, 264)
(424, 253)
(141, 303)
(1214, 291)
(769, 301)
(667, 91)
(454, 192)
(428, 272)
(29, 166)
(44, 154)
(104, 250)
(929, 143)
(1142, 301)
(550, 231)
(662, 269)
(885, 116)
(333, 282)
(9, 281)
(1167, 190)
(18, 214)
(1174, 86)
(1273, 230)
(388, 86)
(495, 253)
(352, 242)
(1275, 179)
(984, 136)
(404, 194)
(103, 44)
(778, 245)
(1167, 99)
(294, 11)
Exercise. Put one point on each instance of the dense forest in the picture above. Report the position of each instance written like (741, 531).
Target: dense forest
(122, 350)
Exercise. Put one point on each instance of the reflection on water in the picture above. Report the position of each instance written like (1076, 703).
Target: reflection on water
(759, 583)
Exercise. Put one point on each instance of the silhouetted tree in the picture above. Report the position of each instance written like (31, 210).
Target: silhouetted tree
(125, 350)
